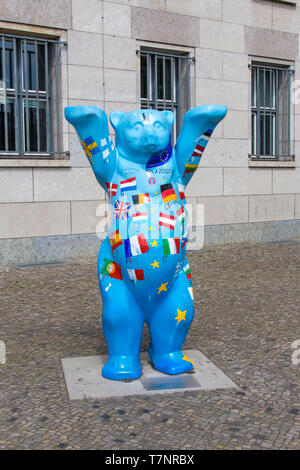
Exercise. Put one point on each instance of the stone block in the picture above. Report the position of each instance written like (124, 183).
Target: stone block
(119, 53)
(236, 125)
(16, 185)
(85, 49)
(286, 180)
(87, 15)
(271, 207)
(67, 247)
(269, 43)
(235, 95)
(66, 184)
(116, 19)
(120, 85)
(202, 8)
(88, 217)
(167, 28)
(85, 83)
(225, 153)
(221, 36)
(247, 12)
(33, 219)
(235, 67)
(17, 251)
(247, 181)
(224, 209)
(208, 64)
(206, 182)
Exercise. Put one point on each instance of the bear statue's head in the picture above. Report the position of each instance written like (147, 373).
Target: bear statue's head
(141, 133)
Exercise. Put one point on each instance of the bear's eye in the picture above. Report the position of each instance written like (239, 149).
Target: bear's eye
(137, 126)
(157, 125)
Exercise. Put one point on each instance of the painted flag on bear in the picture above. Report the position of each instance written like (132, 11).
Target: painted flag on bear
(181, 215)
(191, 291)
(167, 220)
(90, 147)
(171, 246)
(128, 185)
(181, 191)
(167, 192)
(190, 168)
(187, 271)
(115, 239)
(161, 157)
(112, 269)
(136, 275)
(107, 146)
(141, 199)
(135, 245)
(112, 189)
(139, 216)
(121, 210)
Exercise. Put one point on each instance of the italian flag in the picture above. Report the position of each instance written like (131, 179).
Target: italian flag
(171, 246)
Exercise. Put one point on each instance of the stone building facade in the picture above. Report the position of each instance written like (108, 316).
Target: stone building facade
(250, 188)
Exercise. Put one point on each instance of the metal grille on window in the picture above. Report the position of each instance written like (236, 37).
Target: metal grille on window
(30, 111)
(165, 83)
(270, 111)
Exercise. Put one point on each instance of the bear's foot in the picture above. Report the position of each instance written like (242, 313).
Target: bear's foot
(122, 368)
(171, 363)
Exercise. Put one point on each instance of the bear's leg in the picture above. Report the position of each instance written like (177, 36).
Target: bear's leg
(169, 325)
(122, 322)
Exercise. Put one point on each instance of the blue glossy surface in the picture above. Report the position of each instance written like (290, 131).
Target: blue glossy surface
(143, 271)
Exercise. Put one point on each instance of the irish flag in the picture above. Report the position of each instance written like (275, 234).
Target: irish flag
(135, 245)
(171, 246)
(166, 220)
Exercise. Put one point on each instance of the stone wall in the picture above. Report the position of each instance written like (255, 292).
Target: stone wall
(56, 207)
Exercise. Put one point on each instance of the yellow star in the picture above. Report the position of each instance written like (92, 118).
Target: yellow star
(180, 315)
(154, 243)
(188, 360)
(155, 264)
(150, 228)
(162, 287)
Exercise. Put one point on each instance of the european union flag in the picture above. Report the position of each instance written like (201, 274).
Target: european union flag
(161, 157)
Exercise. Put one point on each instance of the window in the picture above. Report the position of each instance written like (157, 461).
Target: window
(270, 111)
(165, 83)
(29, 97)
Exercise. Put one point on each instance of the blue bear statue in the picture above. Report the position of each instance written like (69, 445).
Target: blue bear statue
(143, 272)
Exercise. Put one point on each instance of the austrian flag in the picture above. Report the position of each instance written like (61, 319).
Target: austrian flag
(140, 216)
(166, 220)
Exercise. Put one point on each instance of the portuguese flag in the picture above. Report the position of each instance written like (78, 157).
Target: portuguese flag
(111, 269)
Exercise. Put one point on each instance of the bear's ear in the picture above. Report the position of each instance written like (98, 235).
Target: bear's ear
(169, 115)
(115, 117)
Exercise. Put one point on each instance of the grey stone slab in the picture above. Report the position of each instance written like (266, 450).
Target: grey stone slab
(43, 13)
(255, 232)
(214, 235)
(84, 380)
(66, 247)
(17, 251)
(269, 43)
(286, 229)
(164, 27)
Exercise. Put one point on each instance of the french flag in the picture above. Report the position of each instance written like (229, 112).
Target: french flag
(128, 185)
(135, 245)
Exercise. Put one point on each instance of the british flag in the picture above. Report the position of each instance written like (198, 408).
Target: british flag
(121, 210)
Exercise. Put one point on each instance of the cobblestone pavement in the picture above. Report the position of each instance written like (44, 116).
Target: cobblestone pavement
(247, 317)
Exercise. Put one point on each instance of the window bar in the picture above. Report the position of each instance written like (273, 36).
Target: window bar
(5, 94)
(257, 113)
(26, 97)
(172, 83)
(164, 81)
(271, 111)
(187, 84)
(17, 109)
(37, 96)
(155, 82)
(276, 114)
(282, 114)
(264, 121)
(148, 80)
(57, 99)
(288, 112)
(47, 99)
(178, 100)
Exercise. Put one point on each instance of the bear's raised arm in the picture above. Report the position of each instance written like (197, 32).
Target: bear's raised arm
(91, 125)
(198, 125)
